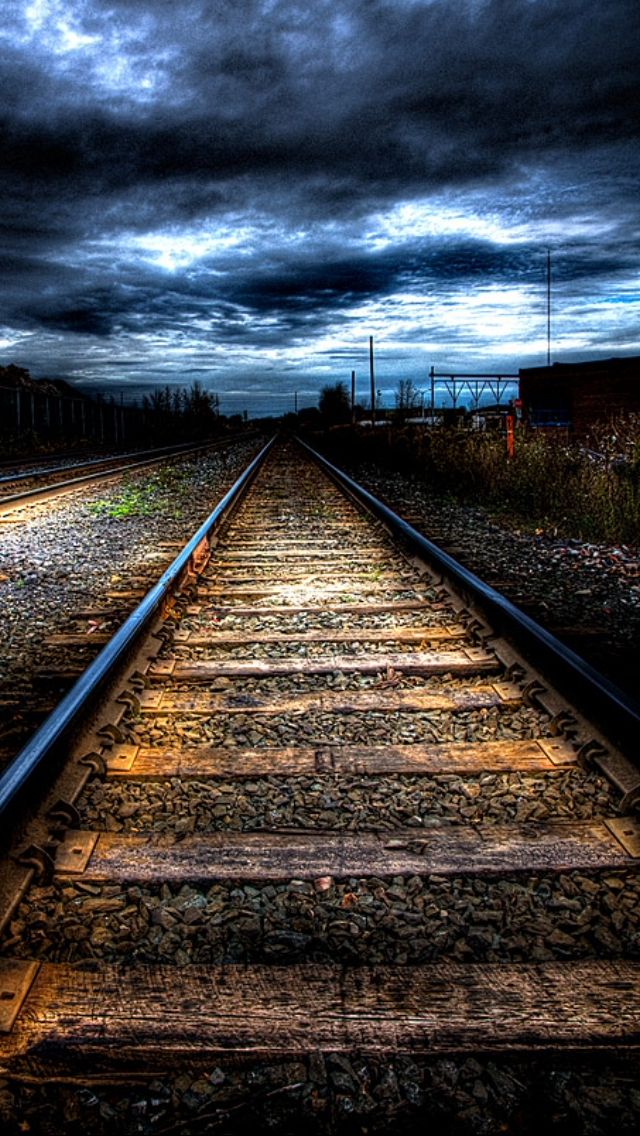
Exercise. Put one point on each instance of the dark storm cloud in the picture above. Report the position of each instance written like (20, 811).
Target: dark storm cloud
(302, 293)
(291, 118)
(307, 294)
(381, 95)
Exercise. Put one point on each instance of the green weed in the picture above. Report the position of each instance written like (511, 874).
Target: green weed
(133, 502)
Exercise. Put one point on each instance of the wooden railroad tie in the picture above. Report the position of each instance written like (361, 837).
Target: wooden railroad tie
(311, 607)
(332, 702)
(463, 662)
(297, 589)
(215, 638)
(149, 1020)
(448, 850)
(147, 763)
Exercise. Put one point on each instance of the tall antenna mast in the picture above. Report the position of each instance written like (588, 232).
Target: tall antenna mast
(373, 382)
(548, 307)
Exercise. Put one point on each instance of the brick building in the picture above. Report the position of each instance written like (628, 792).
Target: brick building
(575, 395)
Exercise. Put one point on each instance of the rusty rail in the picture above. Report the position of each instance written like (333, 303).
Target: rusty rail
(157, 451)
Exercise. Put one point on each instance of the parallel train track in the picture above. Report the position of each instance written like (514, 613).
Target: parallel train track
(19, 491)
(310, 800)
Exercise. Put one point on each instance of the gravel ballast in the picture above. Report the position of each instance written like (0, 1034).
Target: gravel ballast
(335, 1094)
(344, 803)
(316, 728)
(401, 920)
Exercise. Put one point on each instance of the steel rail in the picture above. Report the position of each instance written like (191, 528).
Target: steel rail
(185, 447)
(66, 717)
(59, 488)
(601, 701)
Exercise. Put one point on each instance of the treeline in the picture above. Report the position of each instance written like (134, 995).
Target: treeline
(45, 414)
(176, 412)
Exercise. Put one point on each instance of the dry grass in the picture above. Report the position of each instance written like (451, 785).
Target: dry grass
(591, 493)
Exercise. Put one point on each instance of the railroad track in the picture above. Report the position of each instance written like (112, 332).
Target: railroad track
(22, 466)
(309, 802)
(20, 491)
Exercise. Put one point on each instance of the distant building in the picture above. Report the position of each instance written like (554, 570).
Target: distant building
(574, 396)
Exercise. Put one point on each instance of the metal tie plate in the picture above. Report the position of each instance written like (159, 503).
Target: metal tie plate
(559, 751)
(73, 855)
(121, 758)
(626, 831)
(16, 980)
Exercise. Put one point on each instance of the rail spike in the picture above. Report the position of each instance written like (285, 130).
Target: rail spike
(40, 859)
(95, 761)
(564, 722)
(64, 814)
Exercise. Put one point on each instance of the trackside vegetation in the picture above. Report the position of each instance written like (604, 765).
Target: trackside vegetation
(587, 491)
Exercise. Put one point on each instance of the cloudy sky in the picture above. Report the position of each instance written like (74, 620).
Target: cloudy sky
(242, 191)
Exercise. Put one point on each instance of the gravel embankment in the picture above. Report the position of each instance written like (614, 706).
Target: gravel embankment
(587, 594)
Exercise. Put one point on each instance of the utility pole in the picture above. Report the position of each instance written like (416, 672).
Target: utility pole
(295, 402)
(432, 377)
(548, 307)
(353, 398)
(373, 383)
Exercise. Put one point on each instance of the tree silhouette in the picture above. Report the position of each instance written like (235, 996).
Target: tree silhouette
(334, 404)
